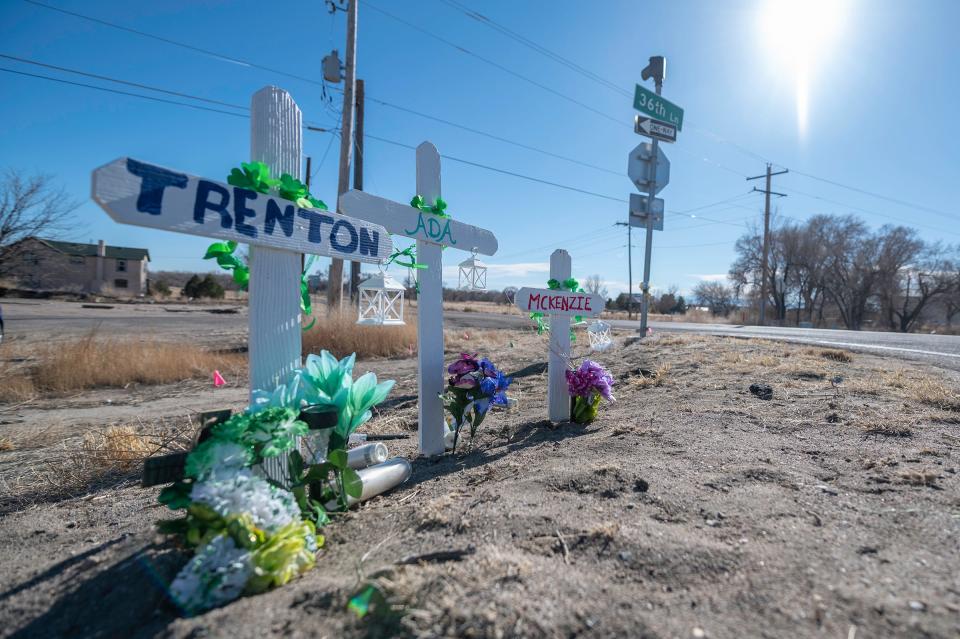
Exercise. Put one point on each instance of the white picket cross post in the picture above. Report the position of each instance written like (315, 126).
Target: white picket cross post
(560, 305)
(430, 314)
(558, 397)
(276, 140)
(432, 233)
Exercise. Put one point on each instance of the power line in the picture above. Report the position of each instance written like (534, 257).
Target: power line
(504, 171)
(308, 125)
(131, 84)
(912, 205)
(135, 95)
(490, 62)
(493, 136)
(182, 45)
(530, 44)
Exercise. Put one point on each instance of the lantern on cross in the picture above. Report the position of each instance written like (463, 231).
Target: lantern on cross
(599, 334)
(381, 301)
(473, 274)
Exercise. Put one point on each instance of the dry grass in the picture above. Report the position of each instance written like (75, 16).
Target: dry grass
(835, 354)
(6, 444)
(92, 362)
(923, 477)
(651, 379)
(933, 392)
(121, 447)
(341, 335)
(96, 460)
(16, 387)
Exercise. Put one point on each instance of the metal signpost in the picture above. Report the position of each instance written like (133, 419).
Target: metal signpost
(647, 166)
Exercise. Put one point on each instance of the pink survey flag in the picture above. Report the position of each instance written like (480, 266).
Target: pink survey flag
(218, 379)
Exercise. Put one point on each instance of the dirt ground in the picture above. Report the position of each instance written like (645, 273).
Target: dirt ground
(690, 508)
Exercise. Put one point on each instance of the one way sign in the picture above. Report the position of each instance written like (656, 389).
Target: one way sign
(655, 129)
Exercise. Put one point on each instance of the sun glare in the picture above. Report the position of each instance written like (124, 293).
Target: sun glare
(798, 36)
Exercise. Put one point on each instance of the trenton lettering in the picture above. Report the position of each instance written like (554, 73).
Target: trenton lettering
(547, 303)
(250, 213)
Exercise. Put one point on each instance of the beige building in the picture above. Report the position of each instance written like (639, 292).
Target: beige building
(82, 268)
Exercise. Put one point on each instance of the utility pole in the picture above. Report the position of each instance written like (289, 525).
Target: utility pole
(766, 237)
(357, 182)
(629, 266)
(658, 69)
(335, 288)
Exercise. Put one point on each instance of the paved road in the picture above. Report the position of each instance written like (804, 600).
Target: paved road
(42, 320)
(941, 350)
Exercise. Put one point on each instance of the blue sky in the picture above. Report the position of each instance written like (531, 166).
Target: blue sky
(881, 88)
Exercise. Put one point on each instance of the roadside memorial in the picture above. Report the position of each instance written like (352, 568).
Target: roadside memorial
(561, 305)
(425, 219)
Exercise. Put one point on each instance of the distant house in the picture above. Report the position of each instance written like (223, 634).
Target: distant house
(43, 264)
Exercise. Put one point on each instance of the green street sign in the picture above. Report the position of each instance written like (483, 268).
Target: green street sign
(655, 106)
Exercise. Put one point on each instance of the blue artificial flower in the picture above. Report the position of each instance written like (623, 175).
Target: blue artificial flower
(487, 368)
(488, 386)
(500, 399)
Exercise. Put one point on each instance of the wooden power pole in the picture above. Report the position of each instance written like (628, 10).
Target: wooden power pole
(764, 260)
(357, 182)
(335, 286)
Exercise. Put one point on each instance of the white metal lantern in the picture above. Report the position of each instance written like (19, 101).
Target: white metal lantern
(473, 274)
(381, 301)
(599, 334)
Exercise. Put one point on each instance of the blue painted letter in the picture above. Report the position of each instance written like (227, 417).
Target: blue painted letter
(274, 215)
(153, 180)
(241, 211)
(369, 244)
(351, 246)
(316, 221)
(203, 203)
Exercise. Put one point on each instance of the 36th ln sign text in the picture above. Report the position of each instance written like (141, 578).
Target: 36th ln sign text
(143, 194)
(554, 302)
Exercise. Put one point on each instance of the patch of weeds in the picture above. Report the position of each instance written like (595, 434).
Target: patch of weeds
(918, 477)
(935, 393)
(646, 378)
(889, 429)
(836, 355)
(6, 444)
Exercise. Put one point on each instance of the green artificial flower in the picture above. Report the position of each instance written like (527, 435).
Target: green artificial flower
(254, 176)
(216, 456)
(267, 433)
(439, 207)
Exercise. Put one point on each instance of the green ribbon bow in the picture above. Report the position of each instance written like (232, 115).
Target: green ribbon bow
(439, 207)
(410, 253)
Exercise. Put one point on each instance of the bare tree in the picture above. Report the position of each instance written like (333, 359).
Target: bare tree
(782, 258)
(30, 206)
(595, 284)
(915, 286)
(717, 296)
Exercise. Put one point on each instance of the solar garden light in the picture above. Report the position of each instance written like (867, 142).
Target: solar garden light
(473, 274)
(381, 301)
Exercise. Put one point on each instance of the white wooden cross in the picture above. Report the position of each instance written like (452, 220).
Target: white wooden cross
(560, 305)
(143, 194)
(432, 234)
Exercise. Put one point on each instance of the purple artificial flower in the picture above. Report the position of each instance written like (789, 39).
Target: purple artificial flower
(590, 377)
(466, 364)
(465, 381)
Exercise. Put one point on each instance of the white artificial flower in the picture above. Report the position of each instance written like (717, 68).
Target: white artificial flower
(216, 575)
(243, 492)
